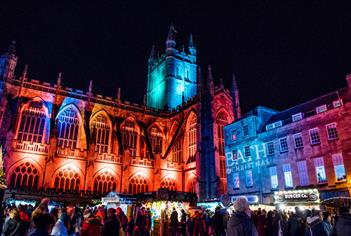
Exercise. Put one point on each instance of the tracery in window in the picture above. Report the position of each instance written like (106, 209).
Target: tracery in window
(32, 123)
(138, 184)
(67, 179)
(169, 184)
(155, 137)
(192, 185)
(221, 121)
(100, 127)
(129, 137)
(26, 176)
(105, 182)
(67, 128)
(192, 139)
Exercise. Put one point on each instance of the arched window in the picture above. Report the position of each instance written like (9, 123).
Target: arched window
(105, 182)
(26, 176)
(169, 184)
(192, 139)
(192, 185)
(221, 121)
(67, 128)
(32, 123)
(138, 184)
(67, 179)
(177, 154)
(101, 129)
(129, 137)
(155, 136)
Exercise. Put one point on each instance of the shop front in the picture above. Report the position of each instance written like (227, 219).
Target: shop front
(303, 199)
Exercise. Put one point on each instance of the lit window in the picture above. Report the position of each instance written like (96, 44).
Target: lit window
(100, 127)
(339, 167)
(155, 137)
(234, 135)
(247, 151)
(192, 185)
(32, 123)
(67, 128)
(320, 170)
(283, 144)
(192, 138)
(249, 179)
(298, 140)
(321, 109)
(332, 131)
(245, 130)
(303, 173)
(129, 137)
(297, 117)
(337, 103)
(287, 175)
(314, 136)
(236, 180)
(270, 148)
(177, 151)
(221, 121)
(274, 177)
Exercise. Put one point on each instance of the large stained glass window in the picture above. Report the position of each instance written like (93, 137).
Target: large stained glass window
(105, 182)
(67, 128)
(129, 137)
(169, 184)
(192, 139)
(32, 123)
(138, 184)
(101, 129)
(67, 180)
(26, 176)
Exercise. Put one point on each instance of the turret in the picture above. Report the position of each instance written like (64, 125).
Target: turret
(170, 41)
(8, 62)
(192, 48)
(236, 101)
(153, 56)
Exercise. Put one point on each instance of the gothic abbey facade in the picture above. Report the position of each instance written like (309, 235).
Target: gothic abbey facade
(68, 141)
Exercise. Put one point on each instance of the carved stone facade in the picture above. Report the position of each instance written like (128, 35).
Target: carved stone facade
(62, 139)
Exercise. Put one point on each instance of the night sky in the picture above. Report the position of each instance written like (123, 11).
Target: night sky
(282, 54)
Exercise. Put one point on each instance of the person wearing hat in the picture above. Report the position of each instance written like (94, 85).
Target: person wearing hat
(240, 223)
(91, 224)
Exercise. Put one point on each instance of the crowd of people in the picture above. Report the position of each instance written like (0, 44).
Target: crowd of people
(74, 221)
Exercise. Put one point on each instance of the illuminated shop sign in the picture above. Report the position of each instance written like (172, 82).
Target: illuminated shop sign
(294, 196)
(249, 157)
(252, 199)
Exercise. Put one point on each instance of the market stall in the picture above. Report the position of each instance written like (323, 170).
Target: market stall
(303, 199)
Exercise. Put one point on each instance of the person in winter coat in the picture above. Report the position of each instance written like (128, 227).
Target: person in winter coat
(12, 227)
(174, 222)
(61, 226)
(200, 228)
(43, 224)
(240, 223)
(130, 226)
(111, 226)
(327, 226)
(122, 218)
(91, 225)
(296, 224)
(314, 225)
(140, 223)
(217, 222)
(343, 222)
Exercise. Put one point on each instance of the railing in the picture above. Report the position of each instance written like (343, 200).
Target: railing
(71, 152)
(143, 162)
(174, 165)
(111, 157)
(31, 147)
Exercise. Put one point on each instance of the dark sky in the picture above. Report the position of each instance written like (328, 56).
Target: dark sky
(282, 54)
